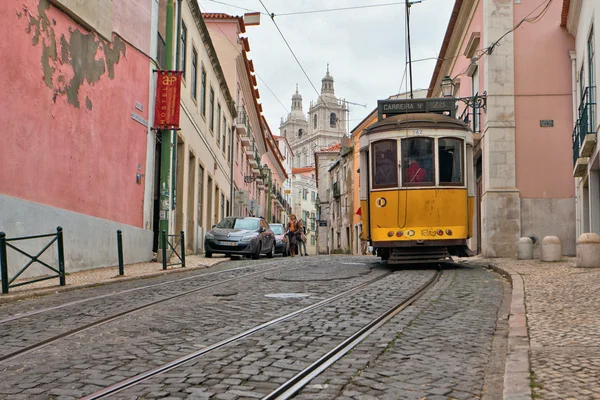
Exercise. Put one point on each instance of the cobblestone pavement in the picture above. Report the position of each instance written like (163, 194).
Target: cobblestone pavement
(106, 275)
(89, 360)
(23, 332)
(563, 320)
(439, 348)
(254, 366)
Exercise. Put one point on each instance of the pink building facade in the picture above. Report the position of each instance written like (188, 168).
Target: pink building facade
(74, 112)
(523, 152)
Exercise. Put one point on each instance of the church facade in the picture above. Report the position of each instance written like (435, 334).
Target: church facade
(324, 125)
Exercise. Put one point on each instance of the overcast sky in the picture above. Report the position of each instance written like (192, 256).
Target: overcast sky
(365, 49)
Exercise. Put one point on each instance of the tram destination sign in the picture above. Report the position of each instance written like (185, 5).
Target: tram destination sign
(409, 106)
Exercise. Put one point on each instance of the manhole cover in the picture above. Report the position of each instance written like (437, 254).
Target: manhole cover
(287, 295)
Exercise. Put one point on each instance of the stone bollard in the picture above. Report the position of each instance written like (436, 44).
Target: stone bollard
(551, 249)
(525, 249)
(588, 250)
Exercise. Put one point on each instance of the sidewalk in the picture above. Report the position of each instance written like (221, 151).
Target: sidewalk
(106, 275)
(561, 311)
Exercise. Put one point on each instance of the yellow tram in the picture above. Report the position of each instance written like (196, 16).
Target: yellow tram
(416, 181)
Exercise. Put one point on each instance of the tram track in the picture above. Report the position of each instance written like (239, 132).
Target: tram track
(301, 379)
(42, 343)
(108, 295)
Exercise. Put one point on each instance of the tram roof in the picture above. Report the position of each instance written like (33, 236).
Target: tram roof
(416, 120)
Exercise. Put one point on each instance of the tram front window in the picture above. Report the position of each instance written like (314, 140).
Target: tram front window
(451, 161)
(385, 164)
(417, 162)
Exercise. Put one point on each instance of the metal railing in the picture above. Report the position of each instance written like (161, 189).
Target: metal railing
(472, 116)
(178, 243)
(585, 120)
(5, 244)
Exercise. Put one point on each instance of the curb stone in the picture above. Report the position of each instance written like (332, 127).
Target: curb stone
(517, 369)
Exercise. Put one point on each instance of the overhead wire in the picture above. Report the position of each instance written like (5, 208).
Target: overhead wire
(301, 67)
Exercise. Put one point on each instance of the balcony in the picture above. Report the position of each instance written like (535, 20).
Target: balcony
(336, 190)
(242, 123)
(256, 172)
(584, 134)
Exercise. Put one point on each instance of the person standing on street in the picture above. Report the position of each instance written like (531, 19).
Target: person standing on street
(302, 239)
(292, 232)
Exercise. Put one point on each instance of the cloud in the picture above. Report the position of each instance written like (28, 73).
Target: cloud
(365, 49)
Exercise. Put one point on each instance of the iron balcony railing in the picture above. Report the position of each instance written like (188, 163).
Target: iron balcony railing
(585, 120)
(472, 117)
(336, 190)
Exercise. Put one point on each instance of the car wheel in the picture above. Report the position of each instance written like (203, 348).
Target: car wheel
(272, 252)
(256, 254)
(208, 254)
(286, 251)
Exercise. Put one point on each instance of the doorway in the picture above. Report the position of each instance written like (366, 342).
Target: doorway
(190, 231)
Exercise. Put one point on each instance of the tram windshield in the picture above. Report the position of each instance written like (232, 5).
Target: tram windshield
(451, 164)
(417, 162)
(385, 164)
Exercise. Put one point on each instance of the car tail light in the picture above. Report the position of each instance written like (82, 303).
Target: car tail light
(391, 233)
(440, 232)
(448, 232)
(399, 233)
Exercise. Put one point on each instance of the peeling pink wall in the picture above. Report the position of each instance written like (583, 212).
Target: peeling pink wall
(543, 92)
(68, 139)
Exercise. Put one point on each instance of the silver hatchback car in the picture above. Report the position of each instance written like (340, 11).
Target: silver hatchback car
(245, 236)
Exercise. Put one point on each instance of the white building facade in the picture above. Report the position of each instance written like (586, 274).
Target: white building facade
(580, 21)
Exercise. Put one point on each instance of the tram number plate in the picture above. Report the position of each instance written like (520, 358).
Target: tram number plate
(227, 243)
(417, 132)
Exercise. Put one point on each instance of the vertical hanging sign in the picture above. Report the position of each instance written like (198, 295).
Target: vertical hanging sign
(168, 91)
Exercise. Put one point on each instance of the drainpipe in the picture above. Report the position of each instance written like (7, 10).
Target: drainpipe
(165, 158)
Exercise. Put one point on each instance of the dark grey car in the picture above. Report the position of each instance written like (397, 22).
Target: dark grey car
(246, 236)
(281, 240)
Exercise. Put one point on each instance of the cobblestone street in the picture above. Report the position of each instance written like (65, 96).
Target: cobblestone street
(464, 304)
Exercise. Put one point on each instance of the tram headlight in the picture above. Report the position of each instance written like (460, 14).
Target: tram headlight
(399, 233)
(410, 233)
(390, 233)
(448, 232)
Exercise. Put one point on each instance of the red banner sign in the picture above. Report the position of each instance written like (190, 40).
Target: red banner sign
(168, 90)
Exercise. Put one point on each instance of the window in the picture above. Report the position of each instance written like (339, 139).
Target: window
(203, 92)
(332, 120)
(385, 164)
(222, 205)
(315, 121)
(312, 196)
(450, 152)
(229, 151)
(312, 240)
(218, 124)
(300, 132)
(227, 207)
(182, 60)
(224, 141)
(194, 73)
(211, 123)
(475, 92)
(417, 162)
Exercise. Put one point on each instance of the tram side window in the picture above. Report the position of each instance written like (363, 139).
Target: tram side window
(417, 162)
(385, 164)
(451, 161)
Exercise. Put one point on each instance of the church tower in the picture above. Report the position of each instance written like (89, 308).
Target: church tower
(325, 126)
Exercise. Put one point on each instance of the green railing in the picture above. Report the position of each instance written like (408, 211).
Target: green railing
(585, 121)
